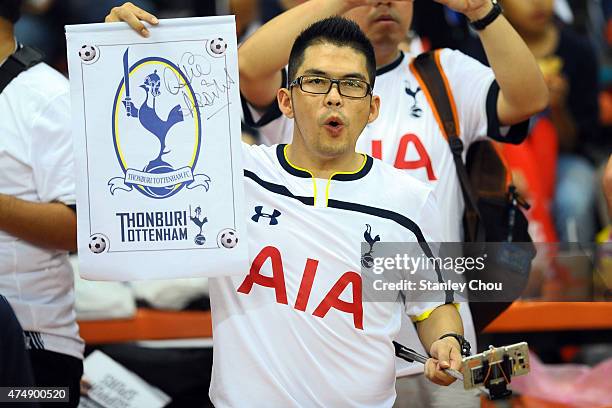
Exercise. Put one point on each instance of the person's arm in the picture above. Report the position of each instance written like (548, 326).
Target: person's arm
(265, 53)
(523, 91)
(446, 352)
(47, 225)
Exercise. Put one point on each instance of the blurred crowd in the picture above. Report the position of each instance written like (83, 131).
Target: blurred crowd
(557, 169)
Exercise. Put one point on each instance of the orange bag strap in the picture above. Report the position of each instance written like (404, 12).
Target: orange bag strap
(433, 82)
(428, 71)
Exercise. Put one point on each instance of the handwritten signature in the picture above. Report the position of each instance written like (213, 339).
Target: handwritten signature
(198, 71)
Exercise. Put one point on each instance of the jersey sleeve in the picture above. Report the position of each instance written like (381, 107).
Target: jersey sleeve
(51, 152)
(425, 297)
(431, 221)
(273, 126)
(475, 92)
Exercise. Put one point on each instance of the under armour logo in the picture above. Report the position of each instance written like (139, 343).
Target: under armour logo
(415, 111)
(260, 214)
(367, 260)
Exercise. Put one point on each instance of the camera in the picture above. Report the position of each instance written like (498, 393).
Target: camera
(494, 368)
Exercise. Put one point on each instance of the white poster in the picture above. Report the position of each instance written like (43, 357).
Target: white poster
(157, 140)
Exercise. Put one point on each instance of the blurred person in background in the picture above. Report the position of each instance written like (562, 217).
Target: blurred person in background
(37, 213)
(569, 64)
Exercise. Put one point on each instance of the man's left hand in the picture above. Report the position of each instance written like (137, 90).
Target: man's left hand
(445, 353)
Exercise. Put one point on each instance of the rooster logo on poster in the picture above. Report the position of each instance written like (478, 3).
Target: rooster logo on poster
(157, 144)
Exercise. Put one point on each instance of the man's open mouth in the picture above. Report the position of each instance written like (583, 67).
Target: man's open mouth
(334, 125)
(334, 122)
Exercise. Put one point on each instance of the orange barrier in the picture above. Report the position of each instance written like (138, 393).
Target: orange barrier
(148, 325)
(550, 316)
(521, 316)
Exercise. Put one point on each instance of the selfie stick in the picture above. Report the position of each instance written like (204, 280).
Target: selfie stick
(411, 356)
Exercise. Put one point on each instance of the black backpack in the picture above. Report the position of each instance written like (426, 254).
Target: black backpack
(492, 213)
(21, 60)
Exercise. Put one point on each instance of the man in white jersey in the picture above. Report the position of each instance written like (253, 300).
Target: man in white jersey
(406, 133)
(300, 330)
(37, 226)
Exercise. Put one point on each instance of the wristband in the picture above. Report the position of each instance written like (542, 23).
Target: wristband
(463, 343)
(481, 24)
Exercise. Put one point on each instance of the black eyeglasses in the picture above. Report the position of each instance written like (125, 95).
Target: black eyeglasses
(315, 84)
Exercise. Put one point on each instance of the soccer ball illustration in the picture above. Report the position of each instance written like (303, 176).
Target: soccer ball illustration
(87, 53)
(158, 166)
(228, 238)
(199, 239)
(367, 261)
(217, 47)
(98, 243)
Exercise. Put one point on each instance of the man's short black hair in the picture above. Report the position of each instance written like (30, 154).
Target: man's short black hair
(338, 31)
(10, 10)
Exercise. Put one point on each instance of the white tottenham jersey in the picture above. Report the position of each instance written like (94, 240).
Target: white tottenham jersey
(296, 331)
(407, 136)
(36, 159)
